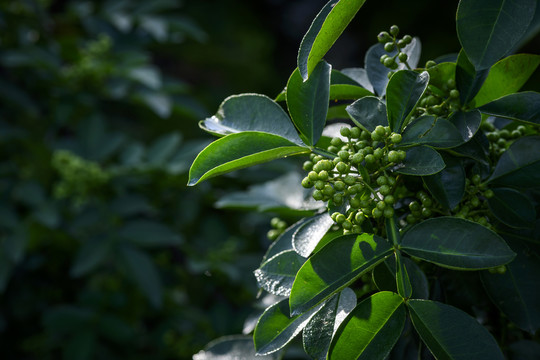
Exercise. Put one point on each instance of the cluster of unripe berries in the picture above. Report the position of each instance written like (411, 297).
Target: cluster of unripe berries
(500, 140)
(278, 227)
(473, 206)
(391, 43)
(346, 178)
(439, 101)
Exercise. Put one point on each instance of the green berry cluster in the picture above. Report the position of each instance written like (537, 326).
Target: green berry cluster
(278, 227)
(391, 43)
(357, 175)
(439, 101)
(473, 205)
(420, 207)
(501, 139)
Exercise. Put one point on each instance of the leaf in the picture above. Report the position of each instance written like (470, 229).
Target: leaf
(368, 112)
(360, 76)
(403, 281)
(144, 274)
(448, 185)
(90, 255)
(237, 151)
(450, 333)
(318, 333)
(477, 148)
(421, 161)
(516, 292)
(307, 101)
(231, 347)
(512, 208)
(468, 79)
(347, 92)
(403, 92)
(506, 77)
(276, 328)
(457, 244)
(524, 350)
(429, 130)
(321, 275)
(251, 112)
(306, 238)
(384, 277)
(148, 233)
(371, 329)
(441, 73)
(277, 274)
(162, 149)
(467, 123)
(6, 268)
(523, 106)
(324, 31)
(519, 166)
(488, 29)
(284, 241)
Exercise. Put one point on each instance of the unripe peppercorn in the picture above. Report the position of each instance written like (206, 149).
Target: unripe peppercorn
(323, 175)
(377, 213)
(347, 225)
(401, 44)
(336, 141)
(383, 37)
(319, 184)
(378, 153)
(340, 218)
(454, 94)
(307, 183)
(339, 185)
(355, 132)
(308, 165)
(388, 212)
(489, 194)
(395, 138)
(389, 199)
(318, 195)
(430, 64)
(407, 39)
(359, 217)
(349, 180)
(389, 46)
(344, 155)
(389, 62)
(385, 190)
(313, 176)
(345, 132)
(394, 30)
(342, 167)
(357, 158)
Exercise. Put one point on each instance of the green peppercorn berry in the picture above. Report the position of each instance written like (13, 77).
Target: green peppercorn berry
(355, 203)
(345, 131)
(307, 183)
(383, 37)
(389, 62)
(367, 150)
(391, 180)
(381, 180)
(378, 153)
(401, 44)
(376, 137)
(483, 221)
(349, 180)
(454, 94)
(342, 168)
(385, 189)
(501, 143)
(308, 165)
(402, 155)
(389, 199)
(381, 205)
(426, 212)
(451, 83)
(377, 213)
(319, 184)
(357, 158)
(318, 195)
(383, 58)
(328, 190)
(411, 219)
(430, 64)
(274, 222)
(337, 199)
(333, 149)
(388, 212)
(317, 158)
(344, 155)
(370, 159)
(515, 134)
(407, 39)
(522, 129)
(437, 109)
(340, 218)
(334, 215)
(355, 132)
(393, 156)
(347, 225)
(394, 30)
(427, 202)
(475, 202)
(489, 194)
(359, 217)
(505, 133)
(323, 175)
(381, 130)
(356, 229)
(476, 179)
(395, 138)
(339, 185)
(414, 206)
(389, 46)
(273, 234)
(313, 176)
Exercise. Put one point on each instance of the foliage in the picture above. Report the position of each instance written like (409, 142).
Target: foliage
(437, 175)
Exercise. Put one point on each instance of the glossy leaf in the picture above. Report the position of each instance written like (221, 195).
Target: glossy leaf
(324, 31)
(237, 151)
(251, 112)
(403, 281)
(284, 241)
(450, 333)
(506, 77)
(432, 131)
(519, 165)
(384, 277)
(306, 238)
(516, 292)
(421, 161)
(347, 92)
(448, 185)
(321, 276)
(488, 29)
(512, 208)
(277, 274)
(231, 347)
(403, 92)
(307, 101)
(318, 333)
(371, 329)
(524, 106)
(477, 148)
(360, 76)
(456, 243)
(467, 123)
(276, 328)
(468, 79)
(368, 112)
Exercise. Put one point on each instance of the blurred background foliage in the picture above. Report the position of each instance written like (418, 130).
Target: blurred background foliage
(104, 252)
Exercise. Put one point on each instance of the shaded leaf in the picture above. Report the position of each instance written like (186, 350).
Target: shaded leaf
(421, 161)
(450, 333)
(403, 281)
(231, 347)
(347, 92)
(149, 233)
(360, 76)
(371, 329)
(321, 275)
(237, 151)
(89, 256)
(448, 185)
(306, 238)
(277, 274)
(457, 244)
(284, 241)
(468, 79)
(512, 208)
(368, 112)
(384, 277)
(523, 106)
(429, 130)
(467, 123)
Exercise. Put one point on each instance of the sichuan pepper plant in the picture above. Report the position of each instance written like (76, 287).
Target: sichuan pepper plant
(434, 171)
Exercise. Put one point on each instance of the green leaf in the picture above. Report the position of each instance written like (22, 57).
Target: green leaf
(384, 277)
(318, 333)
(403, 92)
(238, 151)
(441, 73)
(284, 241)
(368, 112)
(90, 255)
(488, 29)
(421, 161)
(523, 106)
(307, 101)
(277, 274)
(336, 112)
(450, 333)
(163, 148)
(506, 77)
(477, 149)
(324, 31)
(321, 276)
(467, 123)
(448, 185)
(457, 244)
(251, 112)
(148, 233)
(403, 282)
(144, 273)
(231, 347)
(512, 208)
(347, 92)
(519, 165)
(516, 292)
(360, 76)
(371, 329)
(310, 233)
(468, 79)
(276, 328)
(433, 131)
